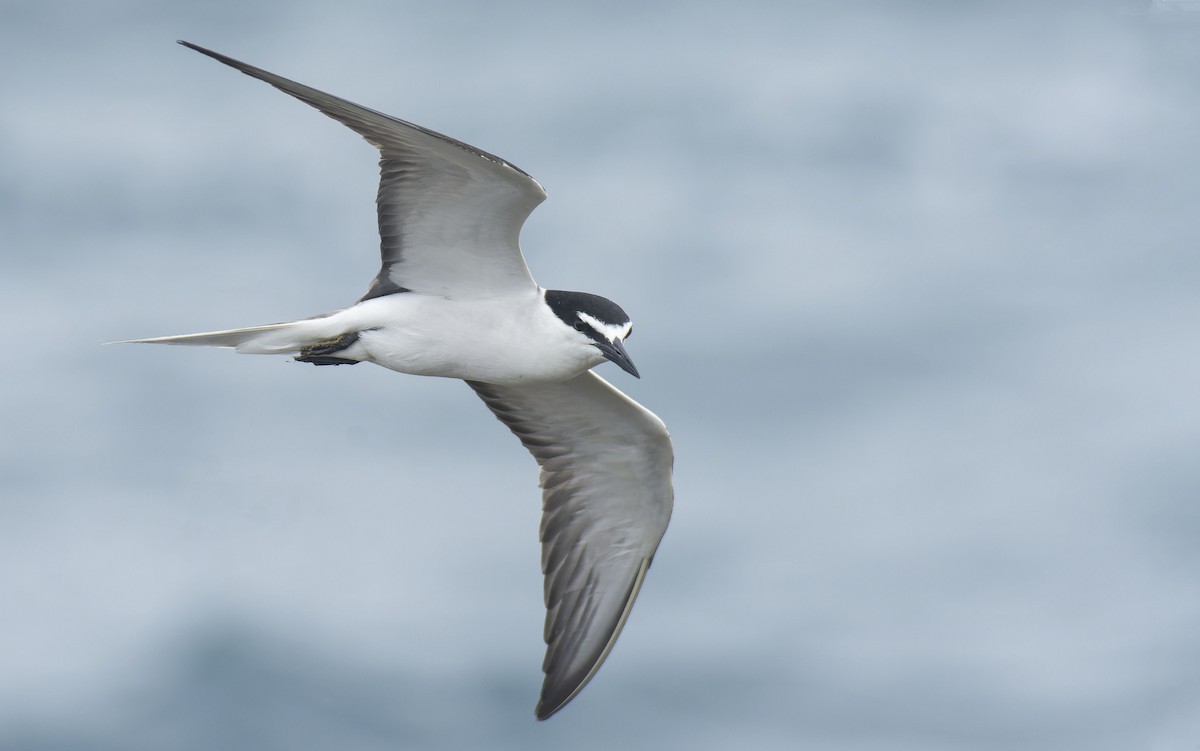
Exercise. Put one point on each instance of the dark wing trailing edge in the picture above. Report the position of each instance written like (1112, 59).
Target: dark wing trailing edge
(606, 489)
(450, 215)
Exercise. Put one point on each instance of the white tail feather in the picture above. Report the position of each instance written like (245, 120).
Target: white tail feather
(272, 339)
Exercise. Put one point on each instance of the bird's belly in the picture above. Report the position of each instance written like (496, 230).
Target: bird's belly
(471, 360)
(459, 341)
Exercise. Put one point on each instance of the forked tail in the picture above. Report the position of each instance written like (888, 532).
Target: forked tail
(272, 339)
(311, 340)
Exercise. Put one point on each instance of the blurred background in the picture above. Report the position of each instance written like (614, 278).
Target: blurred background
(916, 289)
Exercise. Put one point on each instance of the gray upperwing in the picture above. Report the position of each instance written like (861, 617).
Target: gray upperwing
(450, 215)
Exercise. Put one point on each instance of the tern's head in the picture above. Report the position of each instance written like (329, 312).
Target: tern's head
(600, 320)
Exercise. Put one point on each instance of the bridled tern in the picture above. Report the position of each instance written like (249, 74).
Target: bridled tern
(455, 299)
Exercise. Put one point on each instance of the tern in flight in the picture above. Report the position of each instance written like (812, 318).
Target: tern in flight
(454, 299)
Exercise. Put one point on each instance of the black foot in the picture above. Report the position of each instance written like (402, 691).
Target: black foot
(321, 353)
(326, 360)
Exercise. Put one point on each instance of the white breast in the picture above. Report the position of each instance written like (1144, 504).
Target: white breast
(504, 340)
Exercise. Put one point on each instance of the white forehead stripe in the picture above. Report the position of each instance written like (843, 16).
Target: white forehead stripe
(610, 331)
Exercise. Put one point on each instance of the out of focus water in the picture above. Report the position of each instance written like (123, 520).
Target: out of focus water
(916, 289)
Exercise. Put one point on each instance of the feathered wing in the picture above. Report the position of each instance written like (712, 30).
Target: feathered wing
(450, 215)
(606, 488)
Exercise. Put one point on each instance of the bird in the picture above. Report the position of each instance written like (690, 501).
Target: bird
(454, 298)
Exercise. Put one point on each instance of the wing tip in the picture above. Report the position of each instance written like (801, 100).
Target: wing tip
(194, 46)
(226, 59)
(557, 693)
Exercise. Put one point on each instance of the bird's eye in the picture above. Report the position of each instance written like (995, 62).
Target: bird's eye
(629, 333)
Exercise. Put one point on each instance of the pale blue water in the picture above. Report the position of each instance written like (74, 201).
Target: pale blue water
(916, 289)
